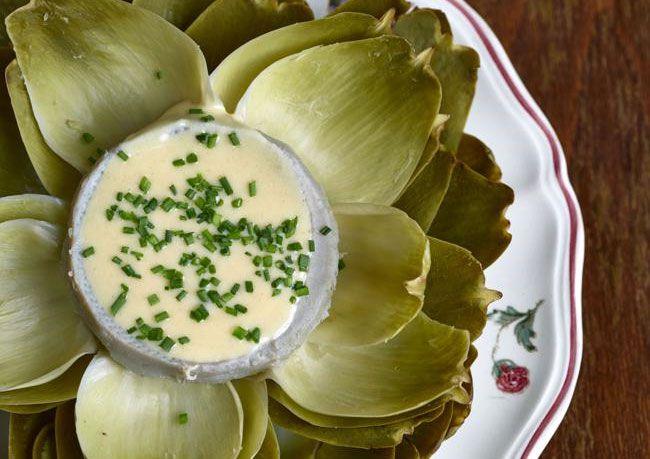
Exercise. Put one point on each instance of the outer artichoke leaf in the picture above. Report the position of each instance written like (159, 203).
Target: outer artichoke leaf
(376, 8)
(227, 24)
(325, 451)
(420, 364)
(28, 409)
(57, 176)
(455, 66)
(428, 436)
(422, 198)
(23, 430)
(67, 445)
(381, 288)
(143, 67)
(58, 390)
(270, 448)
(254, 401)
(406, 450)
(430, 149)
(294, 446)
(379, 99)
(472, 215)
(456, 293)
(116, 409)
(33, 319)
(478, 157)
(35, 206)
(16, 173)
(384, 436)
(44, 443)
(181, 13)
(233, 76)
(6, 7)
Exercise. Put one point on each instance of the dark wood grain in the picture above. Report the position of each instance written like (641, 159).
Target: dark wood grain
(587, 63)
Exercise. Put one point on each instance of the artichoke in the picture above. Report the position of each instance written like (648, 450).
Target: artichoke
(373, 101)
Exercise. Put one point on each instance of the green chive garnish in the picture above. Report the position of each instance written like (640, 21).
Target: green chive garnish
(167, 343)
(145, 184)
(341, 264)
(248, 285)
(183, 418)
(225, 184)
(87, 137)
(207, 118)
(234, 139)
(239, 333)
(164, 315)
(178, 163)
(325, 230)
(312, 245)
(237, 203)
(195, 111)
(87, 252)
(122, 155)
(191, 158)
(252, 188)
(303, 262)
(183, 340)
(153, 299)
(294, 246)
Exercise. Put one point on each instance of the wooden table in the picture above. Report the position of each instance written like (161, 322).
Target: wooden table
(587, 63)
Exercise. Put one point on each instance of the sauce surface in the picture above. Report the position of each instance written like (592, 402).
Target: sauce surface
(198, 243)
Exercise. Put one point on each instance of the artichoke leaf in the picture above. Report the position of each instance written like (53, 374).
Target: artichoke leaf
(457, 393)
(376, 8)
(381, 288)
(422, 198)
(423, 362)
(270, 448)
(406, 450)
(380, 99)
(23, 430)
(478, 157)
(87, 97)
(384, 436)
(58, 390)
(428, 436)
(455, 66)
(181, 13)
(472, 215)
(44, 443)
(254, 400)
(325, 451)
(227, 24)
(231, 78)
(294, 446)
(455, 294)
(17, 175)
(67, 445)
(57, 176)
(116, 409)
(430, 149)
(35, 206)
(6, 7)
(29, 409)
(33, 319)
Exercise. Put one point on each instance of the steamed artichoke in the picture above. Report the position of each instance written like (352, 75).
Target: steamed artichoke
(373, 99)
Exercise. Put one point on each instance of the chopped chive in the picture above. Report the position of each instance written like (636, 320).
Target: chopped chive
(118, 303)
(226, 185)
(195, 111)
(303, 262)
(207, 118)
(325, 230)
(248, 286)
(183, 340)
(132, 330)
(182, 294)
(157, 269)
(167, 343)
(237, 203)
(129, 271)
(153, 299)
(145, 184)
(128, 230)
(341, 264)
(164, 315)
(199, 314)
(294, 246)
(212, 140)
(87, 137)
(234, 289)
(254, 335)
(183, 418)
(155, 334)
(252, 188)
(122, 155)
(312, 245)
(178, 163)
(239, 333)
(302, 291)
(191, 158)
(234, 139)
(124, 249)
(87, 252)
(172, 188)
(116, 260)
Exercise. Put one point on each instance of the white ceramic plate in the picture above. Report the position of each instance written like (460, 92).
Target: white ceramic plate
(543, 264)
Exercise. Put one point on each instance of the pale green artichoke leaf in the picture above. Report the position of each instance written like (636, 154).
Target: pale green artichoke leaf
(376, 8)
(428, 436)
(422, 198)
(45, 443)
(228, 24)
(381, 288)
(384, 436)
(57, 176)
(104, 68)
(233, 76)
(122, 414)
(472, 215)
(294, 446)
(455, 294)
(321, 420)
(430, 149)
(181, 13)
(16, 173)
(478, 156)
(58, 390)
(423, 362)
(459, 413)
(270, 448)
(6, 7)
(67, 445)
(29, 409)
(325, 451)
(406, 450)
(23, 430)
(380, 99)
(35, 206)
(37, 307)
(455, 66)
(254, 401)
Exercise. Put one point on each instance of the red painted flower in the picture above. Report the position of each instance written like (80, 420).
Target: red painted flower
(510, 377)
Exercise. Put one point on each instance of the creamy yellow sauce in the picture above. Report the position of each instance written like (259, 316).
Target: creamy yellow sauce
(221, 335)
